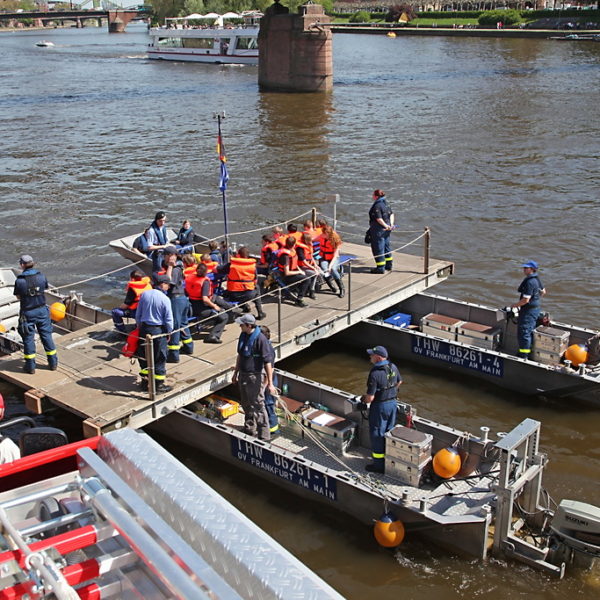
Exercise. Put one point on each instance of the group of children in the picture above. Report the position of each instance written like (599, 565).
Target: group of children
(299, 261)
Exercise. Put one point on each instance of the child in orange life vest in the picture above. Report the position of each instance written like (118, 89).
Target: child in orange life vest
(278, 236)
(242, 282)
(189, 264)
(306, 261)
(138, 283)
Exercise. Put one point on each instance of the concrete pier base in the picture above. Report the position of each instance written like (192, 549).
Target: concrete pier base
(295, 51)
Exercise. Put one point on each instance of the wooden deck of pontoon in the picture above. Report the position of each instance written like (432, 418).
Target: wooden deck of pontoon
(96, 383)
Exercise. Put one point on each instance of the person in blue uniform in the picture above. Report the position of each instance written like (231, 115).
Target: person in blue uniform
(181, 339)
(157, 239)
(382, 393)
(154, 316)
(529, 304)
(269, 398)
(254, 372)
(381, 223)
(34, 314)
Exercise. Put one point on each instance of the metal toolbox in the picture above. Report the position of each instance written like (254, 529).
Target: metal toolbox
(408, 445)
(547, 358)
(335, 432)
(406, 473)
(550, 339)
(477, 334)
(440, 325)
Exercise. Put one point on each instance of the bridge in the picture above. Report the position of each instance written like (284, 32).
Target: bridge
(117, 18)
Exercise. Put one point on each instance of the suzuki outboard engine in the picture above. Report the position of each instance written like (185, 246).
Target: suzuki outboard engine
(575, 533)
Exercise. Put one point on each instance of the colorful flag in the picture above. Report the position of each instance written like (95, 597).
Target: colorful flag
(221, 149)
(224, 177)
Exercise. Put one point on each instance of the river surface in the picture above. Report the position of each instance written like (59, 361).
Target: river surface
(494, 144)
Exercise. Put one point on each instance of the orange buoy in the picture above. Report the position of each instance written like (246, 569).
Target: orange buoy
(577, 354)
(388, 530)
(446, 463)
(2, 328)
(132, 343)
(58, 311)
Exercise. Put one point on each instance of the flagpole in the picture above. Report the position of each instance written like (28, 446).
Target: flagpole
(223, 181)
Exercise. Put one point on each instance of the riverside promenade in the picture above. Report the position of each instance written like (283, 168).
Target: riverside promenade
(385, 28)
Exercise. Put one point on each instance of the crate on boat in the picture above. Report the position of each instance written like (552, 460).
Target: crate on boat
(335, 432)
(545, 357)
(218, 407)
(478, 334)
(408, 445)
(440, 325)
(399, 320)
(406, 472)
(550, 339)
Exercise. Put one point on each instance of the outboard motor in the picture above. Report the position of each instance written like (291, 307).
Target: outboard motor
(576, 533)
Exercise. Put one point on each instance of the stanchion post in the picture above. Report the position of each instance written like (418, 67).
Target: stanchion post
(313, 216)
(426, 240)
(279, 315)
(349, 291)
(150, 365)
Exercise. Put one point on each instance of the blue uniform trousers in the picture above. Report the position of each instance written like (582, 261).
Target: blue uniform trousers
(270, 406)
(160, 352)
(381, 249)
(118, 314)
(180, 340)
(528, 316)
(29, 321)
(382, 417)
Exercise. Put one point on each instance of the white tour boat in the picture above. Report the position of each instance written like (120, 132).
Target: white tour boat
(191, 39)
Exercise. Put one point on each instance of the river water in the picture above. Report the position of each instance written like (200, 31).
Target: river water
(494, 144)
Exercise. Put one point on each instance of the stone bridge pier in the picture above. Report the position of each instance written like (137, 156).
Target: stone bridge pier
(295, 50)
(118, 19)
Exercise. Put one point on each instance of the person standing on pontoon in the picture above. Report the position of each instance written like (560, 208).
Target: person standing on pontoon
(381, 223)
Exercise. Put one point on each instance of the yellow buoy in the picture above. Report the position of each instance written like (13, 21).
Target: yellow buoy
(388, 530)
(446, 463)
(391, 34)
(2, 328)
(58, 311)
(577, 354)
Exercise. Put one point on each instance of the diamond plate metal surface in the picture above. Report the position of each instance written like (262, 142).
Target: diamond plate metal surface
(254, 564)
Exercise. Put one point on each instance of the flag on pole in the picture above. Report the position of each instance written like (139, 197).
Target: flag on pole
(224, 178)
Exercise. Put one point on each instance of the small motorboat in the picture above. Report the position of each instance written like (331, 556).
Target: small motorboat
(44, 44)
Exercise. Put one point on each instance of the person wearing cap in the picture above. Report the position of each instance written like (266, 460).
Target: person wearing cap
(254, 356)
(382, 393)
(154, 317)
(34, 314)
(529, 304)
(181, 339)
(381, 223)
(157, 239)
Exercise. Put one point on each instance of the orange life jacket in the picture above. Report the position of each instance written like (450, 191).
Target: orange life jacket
(293, 264)
(194, 284)
(242, 274)
(269, 247)
(327, 248)
(211, 266)
(308, 254)
(138, 287)
(132, 343)
(191, 270)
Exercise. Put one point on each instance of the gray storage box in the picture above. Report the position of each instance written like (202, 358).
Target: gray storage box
(408, 445)
(440, 326)
(406, 473)
(550, 339)
(547, 358)
(335, 432)
(477, 334)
